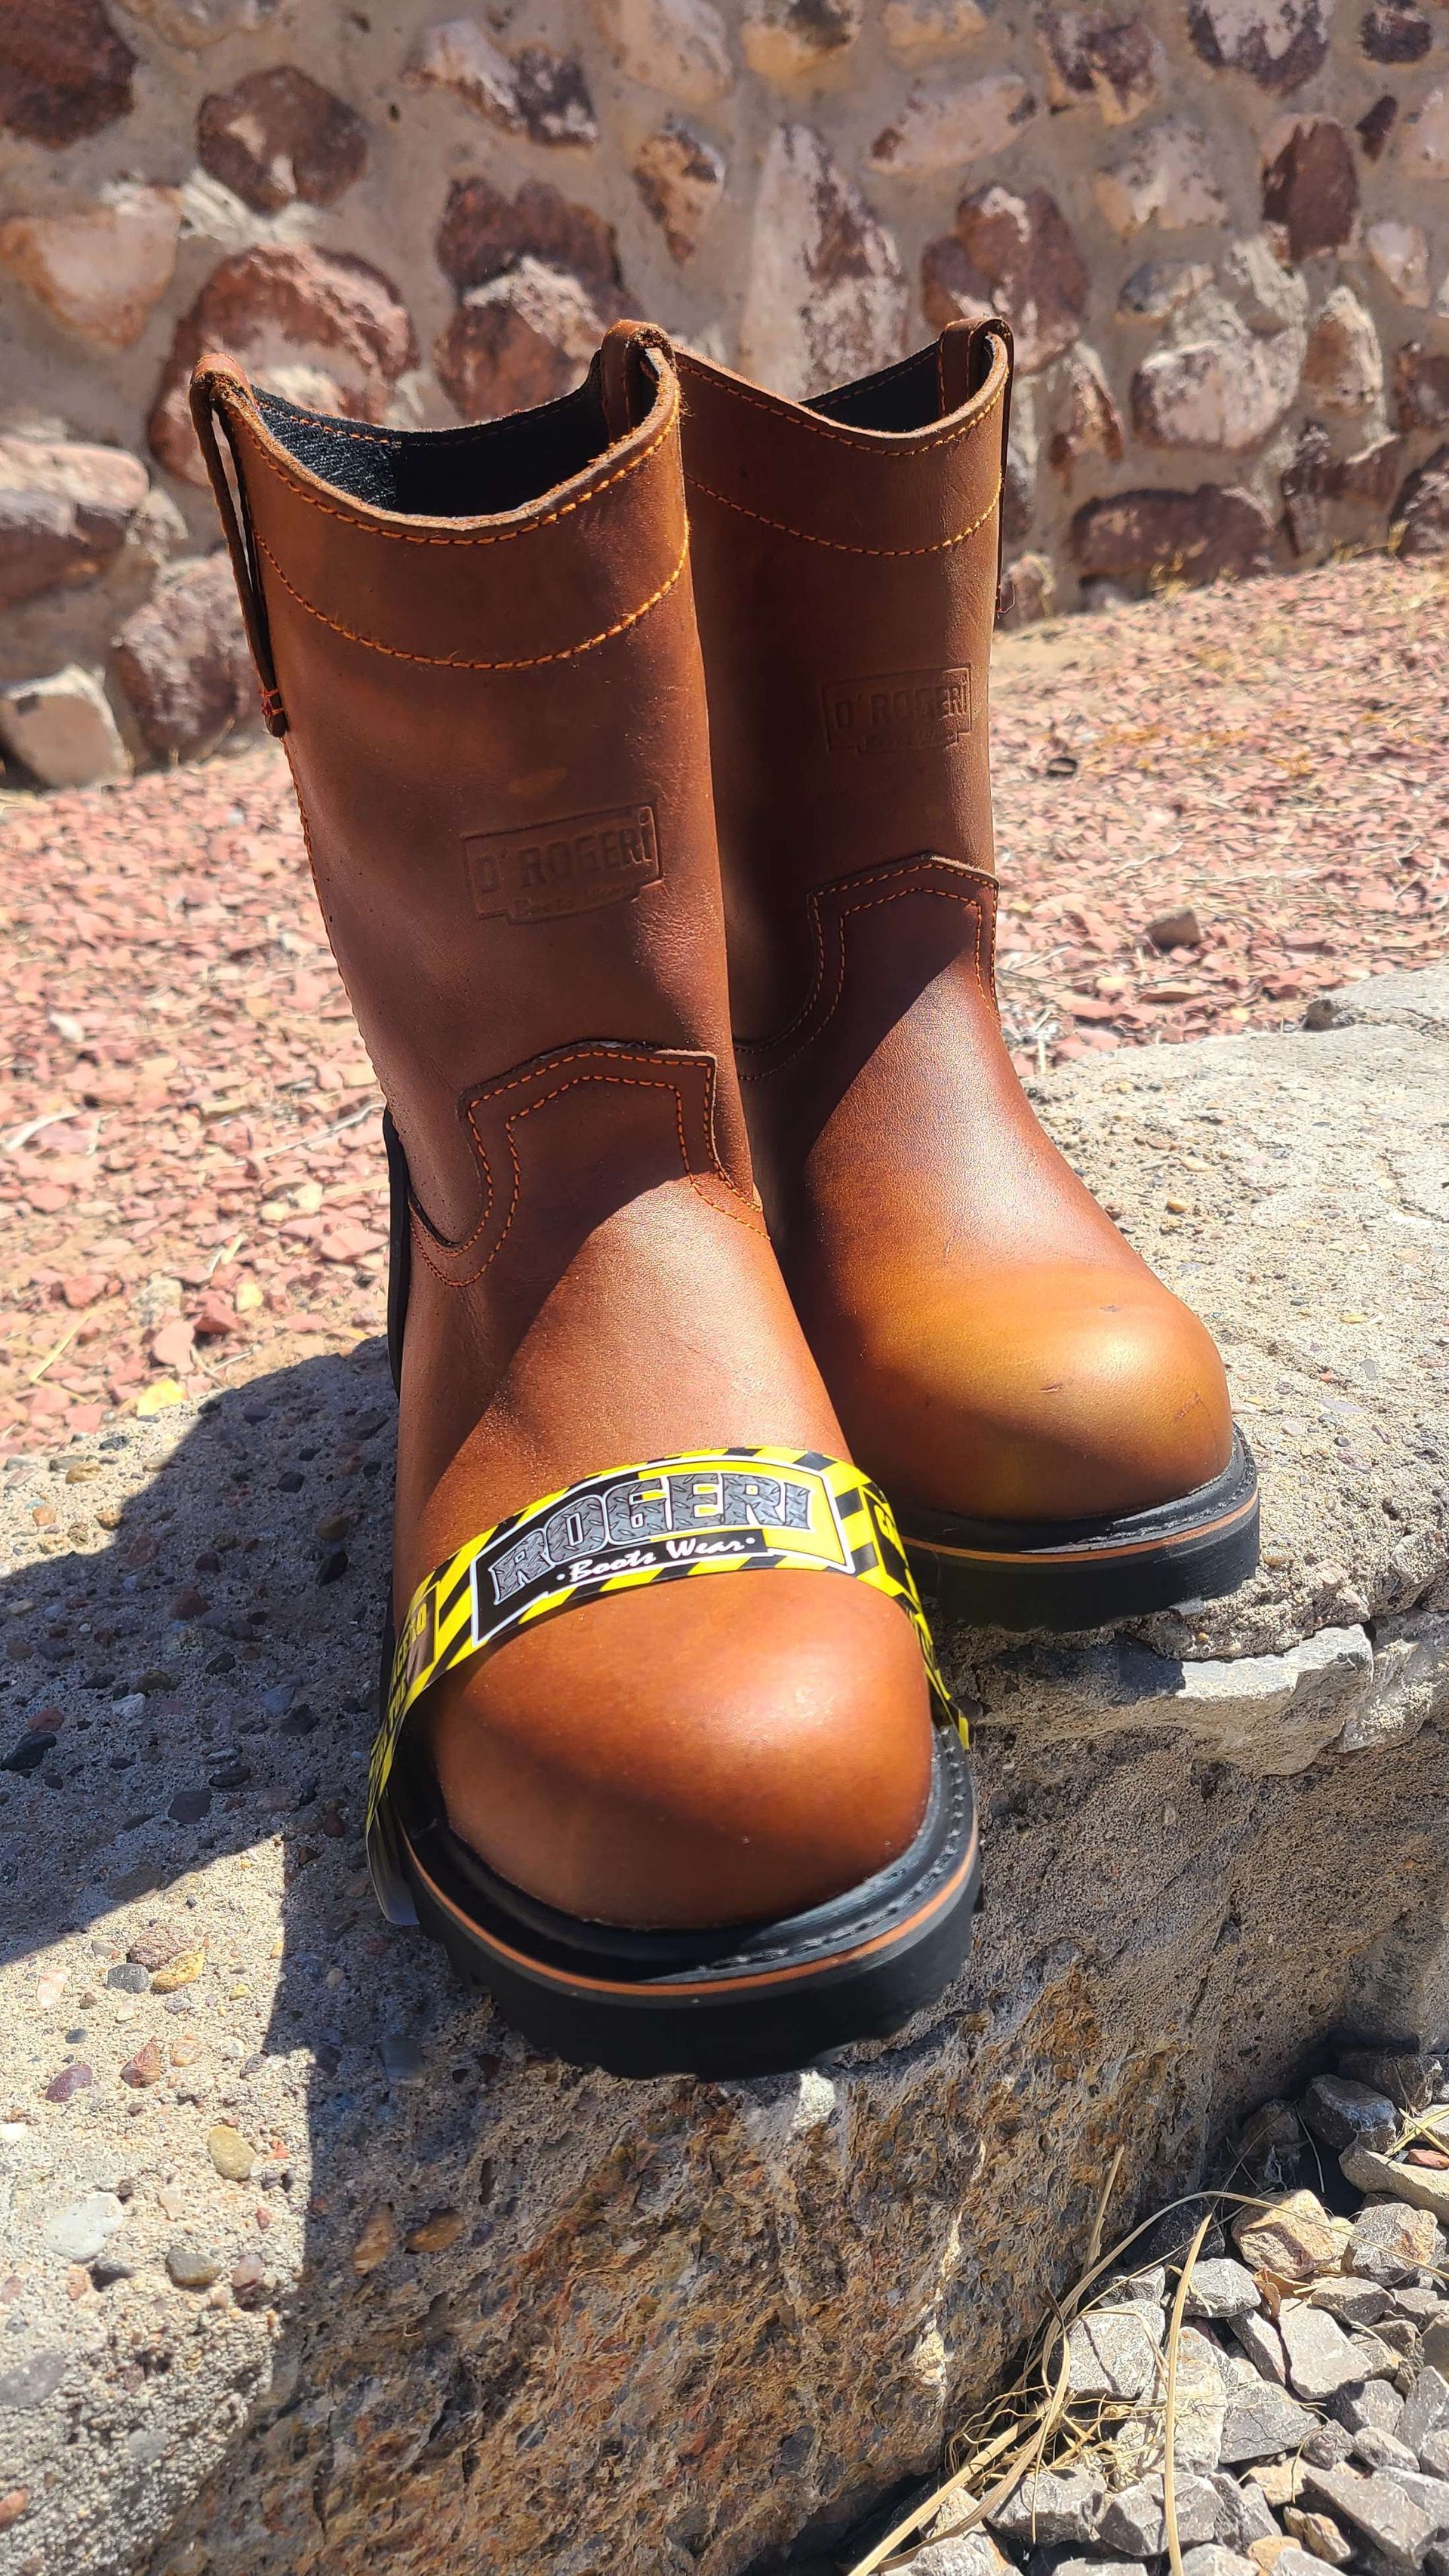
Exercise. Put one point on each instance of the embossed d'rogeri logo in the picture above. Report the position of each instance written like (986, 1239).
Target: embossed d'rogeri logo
(900, 711)
(571, 866)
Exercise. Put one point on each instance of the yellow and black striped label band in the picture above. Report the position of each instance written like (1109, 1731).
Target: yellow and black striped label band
(727, 1511)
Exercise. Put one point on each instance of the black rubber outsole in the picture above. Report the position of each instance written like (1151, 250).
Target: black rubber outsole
(1065, 1575)
(724, 2004)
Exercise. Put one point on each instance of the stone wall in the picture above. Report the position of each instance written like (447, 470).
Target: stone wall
(1220, 229)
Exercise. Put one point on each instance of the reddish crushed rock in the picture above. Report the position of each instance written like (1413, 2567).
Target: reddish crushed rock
(1272, 755)
(207, 1199)
(193, 1214)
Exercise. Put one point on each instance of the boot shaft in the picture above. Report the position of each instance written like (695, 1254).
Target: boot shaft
(846, 558)
(480, 647)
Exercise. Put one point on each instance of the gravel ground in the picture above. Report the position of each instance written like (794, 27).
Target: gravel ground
(191, 1170)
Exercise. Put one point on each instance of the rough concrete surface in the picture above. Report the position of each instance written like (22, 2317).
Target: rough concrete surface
(473, 2309)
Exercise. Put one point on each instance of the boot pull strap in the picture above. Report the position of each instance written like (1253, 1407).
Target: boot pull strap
(996, 329)
(210, 381)
(963, 357)
(628, 373)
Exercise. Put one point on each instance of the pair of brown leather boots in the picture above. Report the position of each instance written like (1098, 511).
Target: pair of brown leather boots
(640, 742)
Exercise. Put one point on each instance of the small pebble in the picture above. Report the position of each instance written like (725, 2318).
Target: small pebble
(79, 2231)
(192, 2265)
(436, 2233)
(70, 2081)
(402, 2058)
(146, 2067)
(181, 1971)
(376, 2241)
(231, 2154)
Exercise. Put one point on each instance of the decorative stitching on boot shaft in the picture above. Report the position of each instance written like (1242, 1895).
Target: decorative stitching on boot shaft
(472, 537)
(456, 661)
(862, 441)
(840, 545)
(812, 1021)
(746, 1215)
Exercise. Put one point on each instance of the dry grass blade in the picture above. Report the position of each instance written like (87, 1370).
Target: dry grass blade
(1025, 2440)
(1169, 2430)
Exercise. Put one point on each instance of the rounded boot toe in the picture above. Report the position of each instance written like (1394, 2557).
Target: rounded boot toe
(1059, 1394)
(725, 1750)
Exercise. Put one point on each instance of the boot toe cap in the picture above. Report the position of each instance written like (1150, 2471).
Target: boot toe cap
(1048, 1396)
(720, 1751)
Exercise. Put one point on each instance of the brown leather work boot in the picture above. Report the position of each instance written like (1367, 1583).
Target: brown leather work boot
(673, 1824)
(1051, 1423)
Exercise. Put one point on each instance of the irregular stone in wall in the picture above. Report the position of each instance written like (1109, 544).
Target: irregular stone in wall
(1424, 147)
(1028, 593)
(1101, 54)
(99, 272)
(826, 297)
(1266, 295)
(183, 663)
(63, 729)
(65, 72)
(1344, 368)
(1304, 483)
(1400, 253)
(535, 92)
(483, 232)
(952, 288)
(1375, 126)
(1190, 536)
(1023, 457)
(199, 23)
(317, 326)
(520, 339)
(789, 40)
(1394, 32)
(679, 46)
(1229, 393)
(1421, 513)
(679, 174)
(64, 512)
(1310, 184)
(1278, 43)
(1166, 178)
(938, 129)
(1371, 474)
(1421, 387)
(1315, 474)
(1161, 287)
(919, 28)
(1022, 251)
(279, 136)
(1086, 422)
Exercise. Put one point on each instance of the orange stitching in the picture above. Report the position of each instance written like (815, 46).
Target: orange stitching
(838, 545)
(485, 537)
(874, 876)
(975, 901)
(862, 440)
(455, 662)
(632, 1082)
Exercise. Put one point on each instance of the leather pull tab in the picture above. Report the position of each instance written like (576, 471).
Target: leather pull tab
(212, 379)
(956, 365)
(627, 378)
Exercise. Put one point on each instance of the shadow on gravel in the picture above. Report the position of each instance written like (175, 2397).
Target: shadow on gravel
(185, 1720)
(205, 1684)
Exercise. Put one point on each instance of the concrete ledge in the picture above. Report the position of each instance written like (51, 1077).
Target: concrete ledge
(504, 2315)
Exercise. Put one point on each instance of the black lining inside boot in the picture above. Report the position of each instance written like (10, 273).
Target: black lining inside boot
(903, 397)
(473, 472)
